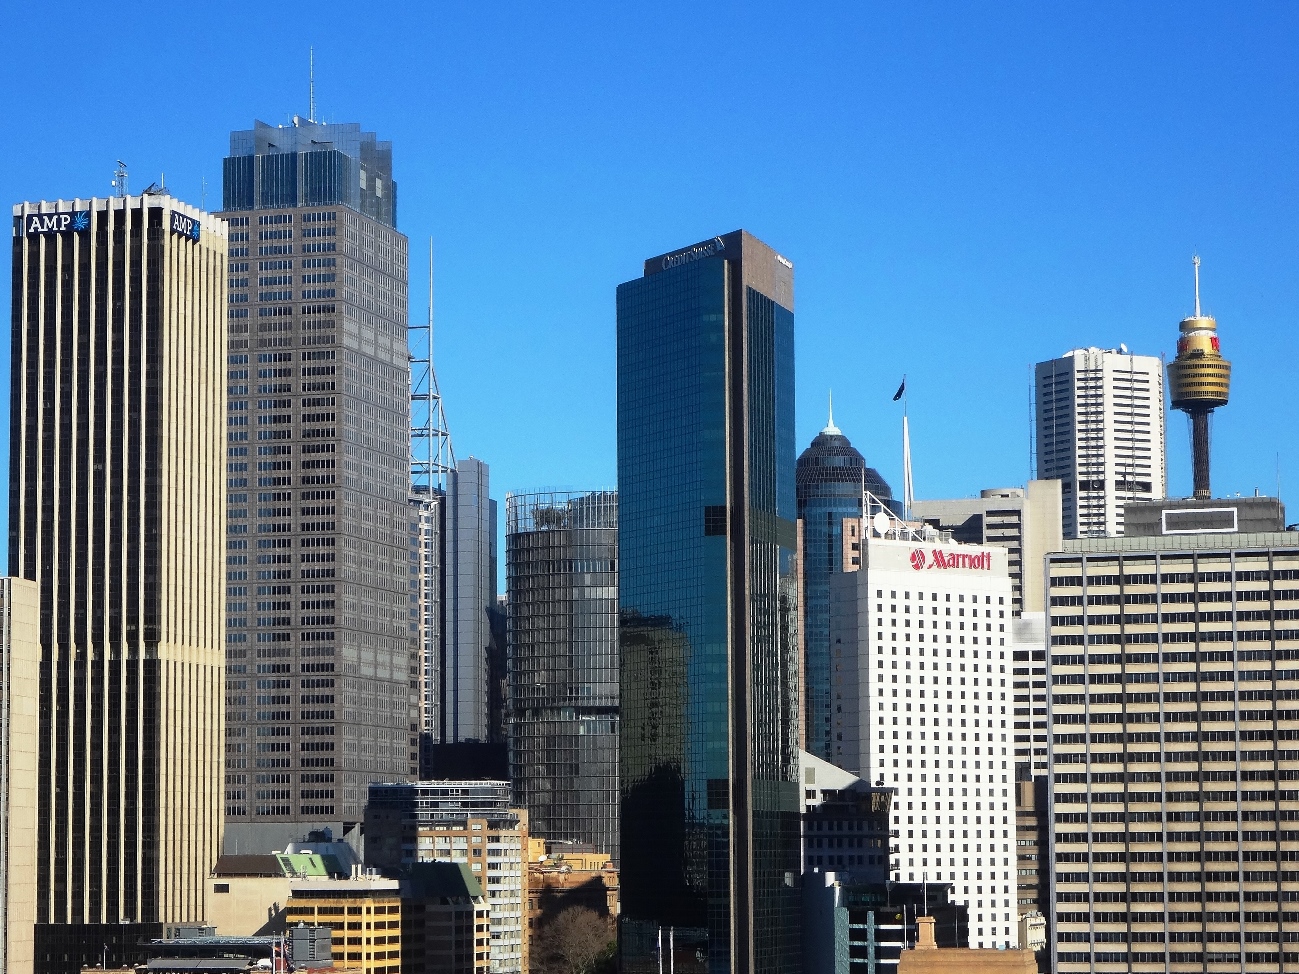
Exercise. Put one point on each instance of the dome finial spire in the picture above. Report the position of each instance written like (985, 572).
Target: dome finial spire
(830, 428)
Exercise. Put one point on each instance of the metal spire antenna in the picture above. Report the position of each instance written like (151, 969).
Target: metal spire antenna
(311, 77)
(431, 453)
(119, 178)
(1195, 260)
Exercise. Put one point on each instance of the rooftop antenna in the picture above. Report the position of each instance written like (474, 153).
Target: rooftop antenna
(1195, 260)
(202, 205)
(311, 74)
(119, 178)
(432, 455)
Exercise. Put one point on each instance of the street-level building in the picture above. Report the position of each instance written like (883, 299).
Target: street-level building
(364, 914)
(321, 656)
(1175, 757)
(446, 925)
(922, 705)
(117, 512)
(469, 822)
(1100, 432)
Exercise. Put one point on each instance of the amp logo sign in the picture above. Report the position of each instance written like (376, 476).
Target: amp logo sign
(37, 224)
(184, 225)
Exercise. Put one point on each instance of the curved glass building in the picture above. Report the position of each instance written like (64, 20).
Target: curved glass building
(561, 566)
(829, 479)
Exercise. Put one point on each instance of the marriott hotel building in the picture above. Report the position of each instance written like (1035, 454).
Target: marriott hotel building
(923, 703)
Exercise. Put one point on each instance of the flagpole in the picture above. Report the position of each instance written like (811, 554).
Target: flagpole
(907, 490)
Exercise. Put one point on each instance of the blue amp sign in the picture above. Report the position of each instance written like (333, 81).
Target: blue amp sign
(37, 224)
(184, 225)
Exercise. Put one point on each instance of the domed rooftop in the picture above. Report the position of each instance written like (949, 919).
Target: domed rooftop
(833, 460)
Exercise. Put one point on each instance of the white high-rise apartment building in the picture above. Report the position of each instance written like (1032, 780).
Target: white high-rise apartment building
(1100, 432)
(923, 703)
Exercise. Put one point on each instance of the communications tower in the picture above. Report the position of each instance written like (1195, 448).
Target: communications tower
(1198, 382)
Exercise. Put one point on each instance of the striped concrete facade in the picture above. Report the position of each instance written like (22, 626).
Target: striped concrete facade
(1174, 671)
(117, 510)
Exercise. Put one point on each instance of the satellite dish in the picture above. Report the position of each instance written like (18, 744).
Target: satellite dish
(880, 522)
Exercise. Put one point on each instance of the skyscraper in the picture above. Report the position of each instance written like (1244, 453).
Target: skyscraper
(1175, 752)
(707, 537)
(117, 511)
(1100, 432)
(470, 592)
(561, 566)
(919, 632)
(831, 480)
(321, 656)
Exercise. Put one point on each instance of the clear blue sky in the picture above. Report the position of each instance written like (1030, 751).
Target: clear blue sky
(964, 189)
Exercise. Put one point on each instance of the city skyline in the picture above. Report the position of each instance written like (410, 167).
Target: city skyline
(886, 250)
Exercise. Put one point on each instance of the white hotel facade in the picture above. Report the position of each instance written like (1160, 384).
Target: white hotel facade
(923, 702)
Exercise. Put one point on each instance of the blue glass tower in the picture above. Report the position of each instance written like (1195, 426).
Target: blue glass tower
(708, 611)
(831, 476)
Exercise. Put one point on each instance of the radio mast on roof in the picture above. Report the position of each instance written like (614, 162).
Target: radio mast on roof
(311, 80)
(431, 454)
(119, 178)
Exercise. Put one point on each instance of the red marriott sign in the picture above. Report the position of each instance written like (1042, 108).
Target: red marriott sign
(948, 559)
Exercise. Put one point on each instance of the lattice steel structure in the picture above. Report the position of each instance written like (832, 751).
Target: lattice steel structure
(432, 458)
(562, 572)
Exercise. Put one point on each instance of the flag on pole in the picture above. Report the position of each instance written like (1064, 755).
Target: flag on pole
(901, 389)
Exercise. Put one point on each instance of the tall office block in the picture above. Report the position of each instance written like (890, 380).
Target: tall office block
(831, 482)
(1100, 432)
(707, 588)
(20, 651)
(321, 656)
(470, 593)
(919, 628)
(561, 566)
(117, 511)
(1175, 802)
(1027, 523)
(427, 601)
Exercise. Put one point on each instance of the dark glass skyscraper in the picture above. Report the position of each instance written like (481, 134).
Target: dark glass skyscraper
(561, 564)
(831, 476)
(708, 611)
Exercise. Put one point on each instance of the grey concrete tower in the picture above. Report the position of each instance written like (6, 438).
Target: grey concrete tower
(323, 676)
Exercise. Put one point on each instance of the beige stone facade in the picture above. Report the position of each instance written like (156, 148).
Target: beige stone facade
(1174, 664)
(19, 696)
(118, 513)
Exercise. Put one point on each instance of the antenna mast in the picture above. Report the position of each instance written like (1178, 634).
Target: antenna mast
(1195, 260)
(119, 178)
(431, 454)
(311, 76)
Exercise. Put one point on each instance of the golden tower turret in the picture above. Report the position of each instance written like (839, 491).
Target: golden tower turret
(1199, 381)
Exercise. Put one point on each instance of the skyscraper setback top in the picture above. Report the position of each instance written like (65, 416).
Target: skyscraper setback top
(310, 164)
(318, 643)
